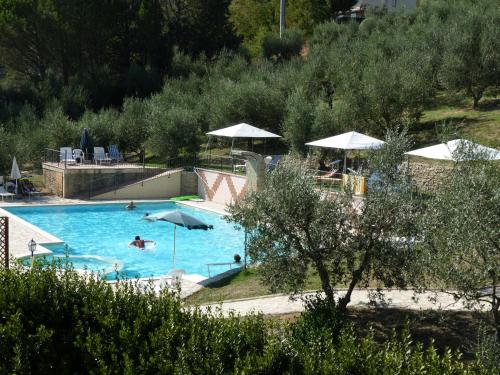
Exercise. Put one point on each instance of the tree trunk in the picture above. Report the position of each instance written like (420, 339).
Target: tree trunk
(495, 305)
(356, 277)
(325, 281)
(475, 102)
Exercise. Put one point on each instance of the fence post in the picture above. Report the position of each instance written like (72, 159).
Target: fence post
(65, 158)
(4, 241)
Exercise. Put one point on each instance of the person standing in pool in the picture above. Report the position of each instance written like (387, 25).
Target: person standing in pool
(131, 206)
(141, 244)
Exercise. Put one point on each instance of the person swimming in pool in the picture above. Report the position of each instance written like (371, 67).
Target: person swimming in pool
(141, 244)
(131, 206)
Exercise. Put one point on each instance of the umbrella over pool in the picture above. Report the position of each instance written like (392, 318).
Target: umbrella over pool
(178, 217)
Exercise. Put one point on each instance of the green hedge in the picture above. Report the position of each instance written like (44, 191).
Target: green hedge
(53, 321)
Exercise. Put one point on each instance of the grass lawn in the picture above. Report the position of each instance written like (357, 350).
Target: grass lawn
(242, 285)
(481, 125)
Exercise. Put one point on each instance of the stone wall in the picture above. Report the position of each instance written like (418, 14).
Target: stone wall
(53, 180)
(428, 177)
(189, 183)
(162, 186)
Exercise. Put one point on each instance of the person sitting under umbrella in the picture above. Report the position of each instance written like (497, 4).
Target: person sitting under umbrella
(141, 244)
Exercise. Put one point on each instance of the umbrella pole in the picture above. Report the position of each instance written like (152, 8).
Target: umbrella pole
(245, 249)
(345, 160)
(175, 227)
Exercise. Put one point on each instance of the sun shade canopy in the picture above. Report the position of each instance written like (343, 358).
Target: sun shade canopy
(348, 141)
(451, 151)
(243, 131)
(180, 218)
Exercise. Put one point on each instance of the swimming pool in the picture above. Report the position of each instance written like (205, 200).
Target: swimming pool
(97, 238)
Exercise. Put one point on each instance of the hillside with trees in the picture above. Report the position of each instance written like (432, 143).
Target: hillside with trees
(154, 76)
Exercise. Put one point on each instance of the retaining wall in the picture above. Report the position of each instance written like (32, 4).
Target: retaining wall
(220, 187)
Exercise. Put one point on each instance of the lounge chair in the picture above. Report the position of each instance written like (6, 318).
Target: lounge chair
(27, 187)
(3, 192)
(115, 154)
(273, 163)
(66, 156)
(100, 156)
(333, 174)
(170, 281)
(173, 279)
(78, 155)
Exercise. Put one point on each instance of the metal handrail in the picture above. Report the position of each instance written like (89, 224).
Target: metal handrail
(230, 264)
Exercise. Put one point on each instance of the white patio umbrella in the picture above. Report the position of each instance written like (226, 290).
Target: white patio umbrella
(15, 174)
(348, 141)
(449, 150)
(242, 130)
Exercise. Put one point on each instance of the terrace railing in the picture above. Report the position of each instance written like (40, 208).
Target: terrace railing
(67, 160)
(220, 163)
(117, 180)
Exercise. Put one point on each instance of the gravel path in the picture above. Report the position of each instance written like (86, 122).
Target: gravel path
(398, 299)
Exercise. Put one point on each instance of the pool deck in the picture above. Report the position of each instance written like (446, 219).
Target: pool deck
(21, 232)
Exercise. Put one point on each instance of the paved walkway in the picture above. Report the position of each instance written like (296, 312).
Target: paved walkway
(396, 299)
(21, 232)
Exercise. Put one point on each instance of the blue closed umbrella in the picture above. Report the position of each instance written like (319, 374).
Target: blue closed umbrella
(85, 141)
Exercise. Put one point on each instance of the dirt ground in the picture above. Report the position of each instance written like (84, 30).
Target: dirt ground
(448, 329)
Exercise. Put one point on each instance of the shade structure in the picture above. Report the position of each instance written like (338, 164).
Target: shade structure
(178, 217)
(85, 141)
(451, 151)
(15, 174)
(348, 141)
(243, 131)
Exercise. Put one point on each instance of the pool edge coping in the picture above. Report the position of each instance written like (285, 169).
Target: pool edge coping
(58, 241)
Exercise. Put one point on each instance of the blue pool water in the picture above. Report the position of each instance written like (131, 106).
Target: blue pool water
(97, 238)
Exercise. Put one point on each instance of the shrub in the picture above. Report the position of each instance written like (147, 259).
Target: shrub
(284, 48)
(54, 321)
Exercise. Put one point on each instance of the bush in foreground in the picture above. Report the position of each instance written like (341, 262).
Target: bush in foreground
(53, 321)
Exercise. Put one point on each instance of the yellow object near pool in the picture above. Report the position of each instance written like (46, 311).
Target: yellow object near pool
(357, 183)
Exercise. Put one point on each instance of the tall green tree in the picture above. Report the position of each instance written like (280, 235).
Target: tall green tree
(462, 233)
(471, 56)
(293, 227)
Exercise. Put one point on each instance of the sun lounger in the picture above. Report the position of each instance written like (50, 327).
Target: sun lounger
(173, 279)
(66, 155)
(5, 194)
(100, 156)
(333, 174)
(28, 188)
(78, 155)
(115, 154)
(273, 163)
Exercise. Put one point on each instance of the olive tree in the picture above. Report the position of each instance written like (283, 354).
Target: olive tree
(471, 50)
(462, 234)
(294, 227)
